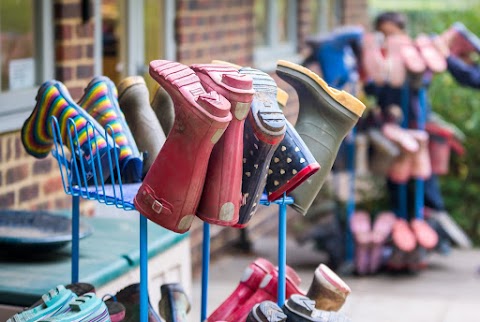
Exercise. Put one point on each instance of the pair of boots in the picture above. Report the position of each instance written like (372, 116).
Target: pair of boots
(94, 130)
(71, 303)
(370, 240)
(459, 40)
(411, 242)
(260, 282)
(175, 189)
(414, 159)
(393, 59)
(297, 308)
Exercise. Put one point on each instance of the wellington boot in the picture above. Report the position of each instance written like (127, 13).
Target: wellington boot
(134, 102)
(326, 116)
(221, 196)
(171, 190)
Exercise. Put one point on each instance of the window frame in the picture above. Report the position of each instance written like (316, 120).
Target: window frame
(265, 57)
(17, 105)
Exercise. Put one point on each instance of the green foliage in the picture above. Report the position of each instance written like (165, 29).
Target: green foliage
(460, 106)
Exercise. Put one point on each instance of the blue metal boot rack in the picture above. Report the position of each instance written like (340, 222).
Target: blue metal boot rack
(121, 196)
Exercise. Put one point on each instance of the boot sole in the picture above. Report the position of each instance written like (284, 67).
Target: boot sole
(266, 311)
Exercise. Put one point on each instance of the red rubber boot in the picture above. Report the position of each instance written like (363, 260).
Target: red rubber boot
(171, 190)
(251, 279)
(266, 292)
(221, 197)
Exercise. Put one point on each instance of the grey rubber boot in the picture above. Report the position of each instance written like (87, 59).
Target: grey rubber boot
(326, 116)
(162, 105)
(266, 311)
(134, 102)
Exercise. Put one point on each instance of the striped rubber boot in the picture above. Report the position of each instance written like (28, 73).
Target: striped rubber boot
(100, 100)
(86, 308)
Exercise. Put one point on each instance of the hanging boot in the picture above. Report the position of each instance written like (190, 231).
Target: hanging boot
(383, 152)
(360, 226)
(134, 102)
(100, 101)
(171, 190)
(382, 228)
(433, 58)
(86, 308)
(174, 305)
(221, 196)
(90, 152)
(421, 164)
(328, 290)
(293, 163)
(266, 311)
(162, 105)
(264, 130)
(299, 308)
(326, 116)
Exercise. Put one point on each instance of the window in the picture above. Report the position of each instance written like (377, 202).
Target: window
(325, 15)
(26, 57)
(275, 32)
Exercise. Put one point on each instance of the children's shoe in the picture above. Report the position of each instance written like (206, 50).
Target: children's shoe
(251, 279)
(326, 116)
(299, 308)
(433, 58)
(171, 190)
(55, 302)
(133, 98)
(266, 311)
(382, 228)
(267, 291)
(86, 308)
(426, 236)
(421, 164)
(174, 304)
(463, 41)
(328, 290)
(221, 196)
(162, 105)
(100, 101)
(360, 226)
(130, 298)
(264, 130)
(91, 152)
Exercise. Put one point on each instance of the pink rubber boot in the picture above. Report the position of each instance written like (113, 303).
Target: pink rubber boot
(171, 190)
(221, 197)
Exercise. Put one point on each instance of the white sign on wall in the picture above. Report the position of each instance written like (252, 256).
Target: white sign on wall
(21, 73)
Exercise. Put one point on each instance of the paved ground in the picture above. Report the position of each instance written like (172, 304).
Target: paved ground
(448, 291)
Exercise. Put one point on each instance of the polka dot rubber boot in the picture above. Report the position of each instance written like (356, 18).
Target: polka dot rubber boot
(100, 100)
(325, 117)
(91, 149)
(299, 308)
(221, 196)
(85, 308)
(264, 130)
(171, 190)
(292, 164)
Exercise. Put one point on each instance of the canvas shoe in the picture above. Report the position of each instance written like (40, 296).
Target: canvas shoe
(327, 289)
(266, 311)
(85, 308)
(300, 308)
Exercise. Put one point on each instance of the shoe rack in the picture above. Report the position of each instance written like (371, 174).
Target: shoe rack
(121, 196)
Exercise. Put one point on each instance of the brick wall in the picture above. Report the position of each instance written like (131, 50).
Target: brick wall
(29, 183)
(214, 29)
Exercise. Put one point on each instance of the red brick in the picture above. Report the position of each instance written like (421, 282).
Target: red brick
(64, 73)
(28, 193)
(42, 166)
(19, 149)
(1, 178)
(68, 52)
(63, 31)
(17, 173)
(88, 50)
(63, 203)
(2, 145)
(76, 92)
(7, 200)
(84, 71)
(52, 185)
(85, 30)
(8, 154)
